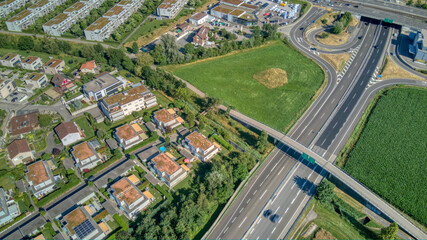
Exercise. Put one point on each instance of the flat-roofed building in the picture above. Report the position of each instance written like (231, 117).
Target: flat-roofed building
(19, 152)
(9, 6)
(167, 170)
(36, 79)
(40, 178)
(118, 106)
(11, 60)
(166, 120)
(127, 136)
(53, 66)
(85, 156)
(129, 198)
(200, 146)
(8, 209)
(104, 26)
(79, 224)
(198, 18)
(236, 11)
(31, 63)
(170, 8)
(6, 87)
(102, 86)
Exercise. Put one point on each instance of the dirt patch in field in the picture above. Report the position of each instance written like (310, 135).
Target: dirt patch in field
(272, 78)
(337, 61)
(323, 234)
(392, 70)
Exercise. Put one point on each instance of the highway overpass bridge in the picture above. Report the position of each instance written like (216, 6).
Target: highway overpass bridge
(337, 173)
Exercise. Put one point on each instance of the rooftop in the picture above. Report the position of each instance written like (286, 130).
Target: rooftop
(53, 62)
(124, 2)
(197, 140)
(35, 76)
(65, 128)
(167, 4)
(163, 115)
(165, 164)
(222, 9)
(126, 132)
(124, 191)
(148, 194)
(88, 65)
(133, 179)
(30, 59)
(100, 83)
(116, 10)
(234, 2)
(24, 123)
(82, 151)
(56, 20)
(37, 173)
(6, 2)
(74, 218)
(198, 16)
(39, 4)
(130, 96)
(19, 16)
(75, 7)
(18, 146)
(98, 24)
(9, 56)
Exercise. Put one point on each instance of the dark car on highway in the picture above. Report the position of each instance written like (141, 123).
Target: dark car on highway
(14, 99)
(267, 213)
(274, 218)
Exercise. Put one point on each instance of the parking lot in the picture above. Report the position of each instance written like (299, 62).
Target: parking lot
(274, 12)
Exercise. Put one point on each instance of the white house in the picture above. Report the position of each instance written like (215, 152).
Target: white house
(31, 63)
(102, 86)
(19, 152)
(40, 178)
(198, 18)
(36, 79)
(68, 133)
(166, 119)
(85, 156)
(200, 146)
(6, 88)
(11, 60)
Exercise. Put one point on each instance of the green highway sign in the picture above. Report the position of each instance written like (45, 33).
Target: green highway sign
(311, 160)
(388, 20)
(305, 156)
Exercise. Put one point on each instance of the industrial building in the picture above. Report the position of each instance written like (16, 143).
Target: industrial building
(236, 11)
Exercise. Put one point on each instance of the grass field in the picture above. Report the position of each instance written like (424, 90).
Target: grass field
(85, 126)
(390, 155)
(230, 78)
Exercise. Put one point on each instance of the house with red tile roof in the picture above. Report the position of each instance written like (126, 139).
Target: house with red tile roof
(19, 152)
(167, 170)
(68, 133)
(166, 120)
(85, 156)
(129, 198)
(40, 178)
(88, 67)
(127, 136)
(24, 123)
(200, 146)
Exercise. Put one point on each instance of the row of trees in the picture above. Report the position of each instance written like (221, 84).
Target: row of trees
(341, 23)
(418, 4)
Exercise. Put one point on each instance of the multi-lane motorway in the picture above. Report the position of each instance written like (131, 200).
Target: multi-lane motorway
(283, 184)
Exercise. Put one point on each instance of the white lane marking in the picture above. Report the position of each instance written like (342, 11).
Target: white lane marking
(335, 124)
(280, 170)
(303, 185)
(226, 230)
(263, 194)
(280, 220)
(277, 209)
(293, 186)
(255, 191)
(333, 100)
(361, 83)
(273, 230)
(257, 238)
(241, 210)
(248, 200)
(286, 210)
(293, 200)
(345, 110)
(274, 167)
(262, 183)
(322, 115)
(259, 220)
(234, 219)
(252, 230)
(354, 96)
(242, 222)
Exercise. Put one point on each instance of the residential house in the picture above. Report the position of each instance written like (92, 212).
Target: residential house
(36, 79)
(418, 48)
(31, 63)
(53, 66)
(236, 11)
(167, 169)
(85, 156)
(29, 16)
(6, 88)
(201, 37)
(200, 146)
(24, 123)
(9, 6)
(104, 26)
(102, 86)
(166, 120)
(79, 224)
(68, 133)
(170, 8)
(129, 198)
(8, 209)
(198, 18)
(118, 106)
(127, 136)
(184, 27)
(88, 67)
(73, 14)
(62, 83)
(19, 152)
(40, 178)
(11, 60)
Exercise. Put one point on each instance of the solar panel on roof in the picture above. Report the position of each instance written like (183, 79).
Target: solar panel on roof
(27, 60)
(32, 76)
(84, 229)
(7, 57)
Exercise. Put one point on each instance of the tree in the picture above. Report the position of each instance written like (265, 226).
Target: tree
(191, 119)
(171, 49)
(158, 55)
(42, 212)
(189, 48)
(325, 192)
(46, 156)
(337, 28)
(144, 59)
(25, 43)
(127, 63)
(90, 183)
(262, 142)
(123, 235)
(107, 122)
(389, 232)
(115, 56)
(324, 21)
(100, 133)
(135, 47)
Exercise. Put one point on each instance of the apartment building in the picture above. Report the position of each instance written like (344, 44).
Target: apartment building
(170, 8)
(85, 156)
(27, 17)
(418, 46)
(200, 146)
(236, 11)
(166, 120)
(128, 197)
(68, 133)
(53, 66)
(127, 136)
(6, 87)
(167, 170)
(104, 26)
(118, 106)
(31, 63)
(40, 178)
(9, 6)
(63, 21)
(102, 86)
(19, 152)
(36, 79)
(79, 224)
(8, 208)
(11, 60)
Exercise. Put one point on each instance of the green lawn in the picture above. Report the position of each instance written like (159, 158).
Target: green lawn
(230, 78)
(146, 28)
(390, 155)
(85, 126)
(161, 99)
